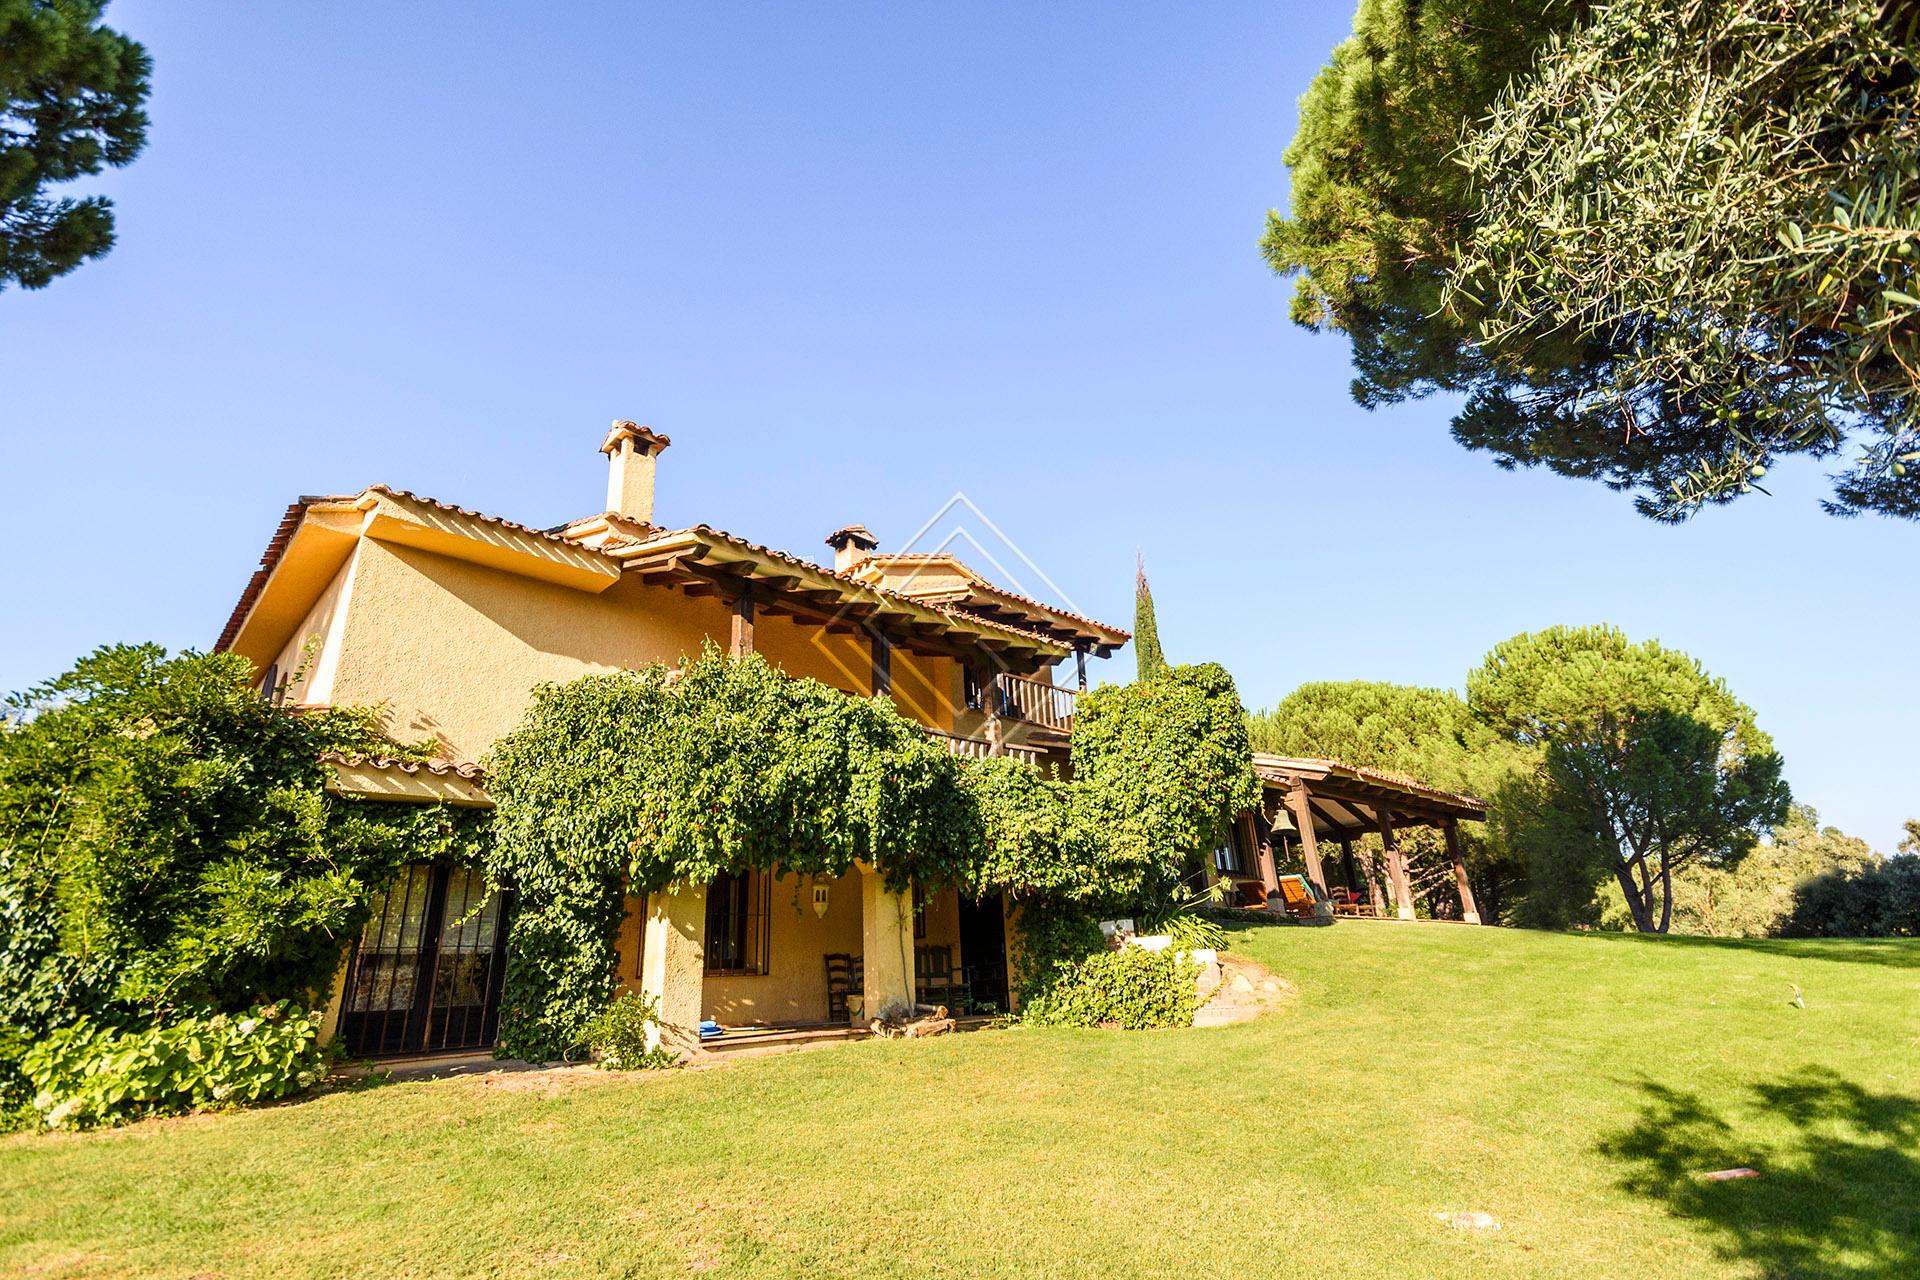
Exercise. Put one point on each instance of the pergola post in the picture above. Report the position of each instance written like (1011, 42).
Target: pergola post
(1080, 665)
(1346, 861)
(1309, 842)
(1469, 910)
(1396, 866)
(1269, 870)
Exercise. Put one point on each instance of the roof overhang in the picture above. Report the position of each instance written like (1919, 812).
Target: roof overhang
(943, 578)
(1347, 800)
(708, 561)
(317, 535)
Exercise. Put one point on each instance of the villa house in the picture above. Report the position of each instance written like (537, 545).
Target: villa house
(446, 619)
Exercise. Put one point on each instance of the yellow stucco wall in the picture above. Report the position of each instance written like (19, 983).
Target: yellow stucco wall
(312, 652)
(794, 990)
(453, 650)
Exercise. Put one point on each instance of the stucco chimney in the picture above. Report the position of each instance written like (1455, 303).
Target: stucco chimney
(850, 546)
(631, 450)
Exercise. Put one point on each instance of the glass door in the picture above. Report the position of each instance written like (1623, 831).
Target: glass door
(426, 974)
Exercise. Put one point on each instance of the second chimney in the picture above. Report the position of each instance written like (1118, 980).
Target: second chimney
(850, 546)
(631, 450)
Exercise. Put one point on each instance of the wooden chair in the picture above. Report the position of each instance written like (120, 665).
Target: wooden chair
(1250, 894)
(1297, 894)
(846, 974)
(935, 980)
(1348, 902)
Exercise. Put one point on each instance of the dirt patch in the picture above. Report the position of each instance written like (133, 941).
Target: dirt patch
(549, 1082)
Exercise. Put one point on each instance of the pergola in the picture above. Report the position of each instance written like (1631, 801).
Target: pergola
(1319, 800)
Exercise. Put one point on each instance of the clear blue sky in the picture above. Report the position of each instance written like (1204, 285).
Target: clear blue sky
(853, 259)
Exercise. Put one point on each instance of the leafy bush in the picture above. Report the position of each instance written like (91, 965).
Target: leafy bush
(1050, 936)
(618, 1037)
(1179, 916)
(1162, 768)
(169, 843)
(88, 1075)
(1133, 989)
(1881, 900)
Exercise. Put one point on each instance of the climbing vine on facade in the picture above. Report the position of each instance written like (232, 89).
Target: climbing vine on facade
(634, 781)
(645, 779)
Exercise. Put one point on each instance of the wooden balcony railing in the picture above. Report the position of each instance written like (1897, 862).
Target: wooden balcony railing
(980, 748)
(1038, 702)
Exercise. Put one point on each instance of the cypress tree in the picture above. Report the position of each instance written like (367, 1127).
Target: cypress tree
(1147, 655)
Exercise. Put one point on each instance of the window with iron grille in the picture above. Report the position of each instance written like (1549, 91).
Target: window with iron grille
(738, 923)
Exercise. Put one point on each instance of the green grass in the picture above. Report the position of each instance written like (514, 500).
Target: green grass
(1571, 1086)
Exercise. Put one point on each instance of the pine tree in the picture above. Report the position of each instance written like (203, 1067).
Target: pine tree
(1147, 655)
(71, 99)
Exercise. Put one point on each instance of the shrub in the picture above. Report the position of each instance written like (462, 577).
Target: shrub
(89, 1075)
(1132, 988)
(1180, 915)
(1881, 900)
(1161, 769)
(169, 843)
(1192, 932)
(618, 1036)
(1050, 938)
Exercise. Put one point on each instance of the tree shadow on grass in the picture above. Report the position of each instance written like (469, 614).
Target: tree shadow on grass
(1838, 1196)
(1898, 953)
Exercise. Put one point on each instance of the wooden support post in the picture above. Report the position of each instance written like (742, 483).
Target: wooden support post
(1309, 842)
(1346, 863)
(741, 641)
(1396, 867)
(882, 664)
(984, 680)
(1269, 870)
(1370, 872)
(1080, 665)
(1469, 910)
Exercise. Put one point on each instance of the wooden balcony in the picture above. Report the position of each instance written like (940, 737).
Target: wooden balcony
(1035, 702)
(980, 748)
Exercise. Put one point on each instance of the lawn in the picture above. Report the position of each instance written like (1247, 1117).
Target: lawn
(1571, 1086)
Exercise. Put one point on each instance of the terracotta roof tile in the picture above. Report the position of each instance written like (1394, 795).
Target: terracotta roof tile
(409, 496)
(296, 512)
(439, 768)
(851, 580)
(276, 547)
(979, 583)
